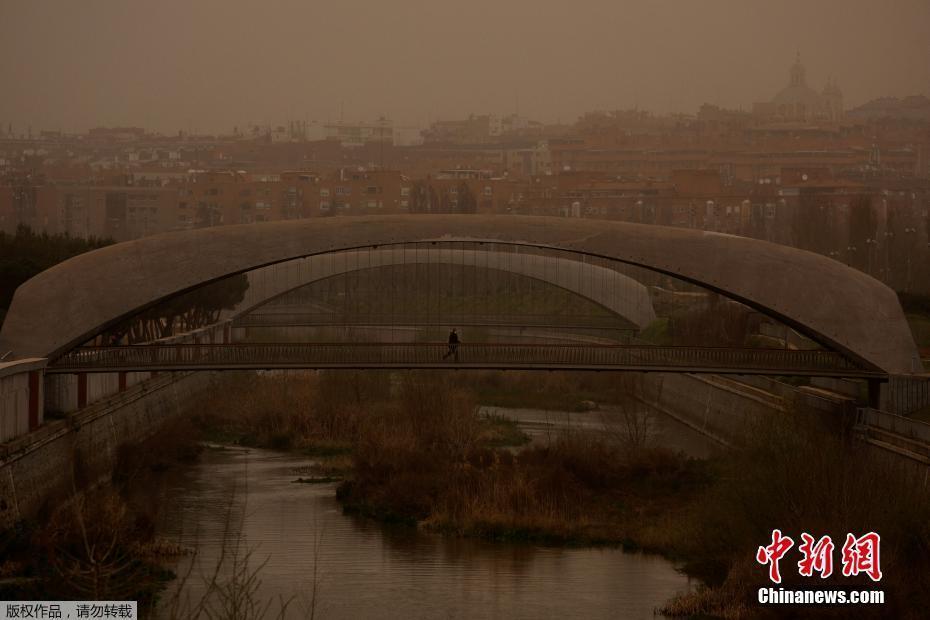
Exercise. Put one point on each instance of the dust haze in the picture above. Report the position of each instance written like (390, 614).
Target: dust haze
(210, 65)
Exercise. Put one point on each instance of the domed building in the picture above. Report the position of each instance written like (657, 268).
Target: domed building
(799, 102)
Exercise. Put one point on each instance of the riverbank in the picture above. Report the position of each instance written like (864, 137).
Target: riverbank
(425, 426)
(418, 459)
(361, 568)
(320, 415)
(420, 456)
(99, 543)
(413, 450)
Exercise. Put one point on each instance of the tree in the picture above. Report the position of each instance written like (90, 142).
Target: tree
(424, 198)
(25, 254)
(468, 202)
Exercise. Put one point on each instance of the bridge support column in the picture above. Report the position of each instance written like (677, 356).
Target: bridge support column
(122, 381)
(82, 390)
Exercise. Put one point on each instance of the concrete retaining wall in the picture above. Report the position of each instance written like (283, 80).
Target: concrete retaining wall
(725, 408)
(36, 470)
(715, 406)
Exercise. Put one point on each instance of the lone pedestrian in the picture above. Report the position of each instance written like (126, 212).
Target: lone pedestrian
(453, 346)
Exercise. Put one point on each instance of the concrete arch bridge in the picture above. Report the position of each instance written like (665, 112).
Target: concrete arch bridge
(856, 321)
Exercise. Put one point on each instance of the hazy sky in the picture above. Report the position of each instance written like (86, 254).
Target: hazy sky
(213, 64)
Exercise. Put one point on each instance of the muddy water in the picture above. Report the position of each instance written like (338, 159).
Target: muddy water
(245, 506)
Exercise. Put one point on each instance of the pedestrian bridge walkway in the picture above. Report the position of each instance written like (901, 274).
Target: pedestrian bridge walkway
(640, 358)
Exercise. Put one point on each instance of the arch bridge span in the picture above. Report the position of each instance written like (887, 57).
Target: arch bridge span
(856, 317)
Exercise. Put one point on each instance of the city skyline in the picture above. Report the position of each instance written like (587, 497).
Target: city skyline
(186, 68)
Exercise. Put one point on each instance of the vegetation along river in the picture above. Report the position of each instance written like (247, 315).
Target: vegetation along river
(243, 511)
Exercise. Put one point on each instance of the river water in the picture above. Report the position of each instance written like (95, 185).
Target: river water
(245, 504)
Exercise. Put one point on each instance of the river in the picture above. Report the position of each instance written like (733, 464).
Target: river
(298, 538)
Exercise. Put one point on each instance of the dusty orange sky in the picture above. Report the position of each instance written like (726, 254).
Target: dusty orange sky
(208, 65)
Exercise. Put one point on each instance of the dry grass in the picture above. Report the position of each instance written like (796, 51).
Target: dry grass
(420, 463)
(579, 488)
(794, 476)
(419, 455)
(91, 547)
(422, 459)
(317, 412)
(99, 543)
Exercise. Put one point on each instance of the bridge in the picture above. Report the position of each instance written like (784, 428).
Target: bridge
(98, 339)
(853, 323)
(319, 355)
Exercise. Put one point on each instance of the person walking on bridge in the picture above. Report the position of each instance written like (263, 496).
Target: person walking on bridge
(453, 346)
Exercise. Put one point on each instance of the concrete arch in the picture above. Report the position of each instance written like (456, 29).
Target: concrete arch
(614, 291)
(842, 308)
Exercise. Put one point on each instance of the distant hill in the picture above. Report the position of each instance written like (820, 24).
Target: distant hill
(915, 107)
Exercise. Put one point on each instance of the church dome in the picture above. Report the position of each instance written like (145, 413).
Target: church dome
(797, 94)
(794, 94)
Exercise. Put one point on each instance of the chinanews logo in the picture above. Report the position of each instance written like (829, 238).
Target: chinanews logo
(859, 555)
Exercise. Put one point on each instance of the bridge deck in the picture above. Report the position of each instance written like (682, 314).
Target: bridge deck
(431, 355)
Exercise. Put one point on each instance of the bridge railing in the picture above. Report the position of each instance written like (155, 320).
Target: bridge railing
(310, 355)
